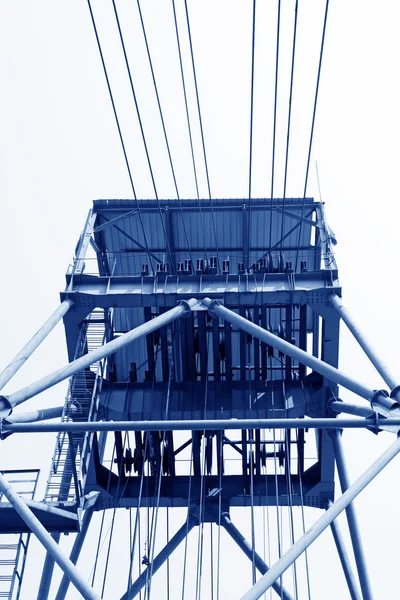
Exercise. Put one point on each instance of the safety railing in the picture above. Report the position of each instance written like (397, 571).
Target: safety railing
(14, 547)
(63, 483)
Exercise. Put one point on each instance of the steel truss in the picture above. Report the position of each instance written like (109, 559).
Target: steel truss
(382, 414)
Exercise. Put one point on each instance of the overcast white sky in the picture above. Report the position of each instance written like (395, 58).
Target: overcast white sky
(59, 150)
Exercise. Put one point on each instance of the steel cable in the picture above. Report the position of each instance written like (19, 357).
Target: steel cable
(312, 129)
(119, 131)
(202, 135)
(164, 131)
(121, 37)
(289, 119)
(275, 112)
(189, 126)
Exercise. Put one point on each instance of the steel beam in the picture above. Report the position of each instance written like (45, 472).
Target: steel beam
(337, 406)
(83, 242)
(163, 290)
(47, 541)
(244, 545)
(199, 425)
(43, 414)
(378, 363)
(130, 213)
(355, 533)
(75, 552)
(88, 359)
(34, 342)
(215, 308)
(48, 569)
(160, 559)
(321, 524)
(344, 560)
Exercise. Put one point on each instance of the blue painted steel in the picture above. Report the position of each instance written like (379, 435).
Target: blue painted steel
(344, 559)
(248, 551)
(46, 539)
(321, 524)
(199, 425)
(88, 359)
(286, 348)
(355, 532)
(160, 559)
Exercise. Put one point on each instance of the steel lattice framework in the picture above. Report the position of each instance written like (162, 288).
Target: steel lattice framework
(197, 351)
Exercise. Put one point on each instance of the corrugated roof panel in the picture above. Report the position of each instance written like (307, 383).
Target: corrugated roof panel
(205, 230)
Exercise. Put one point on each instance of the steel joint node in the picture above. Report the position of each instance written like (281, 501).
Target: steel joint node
(6, 407)
(209, 304)
(382, 400)
(189, 306)
(395, 392)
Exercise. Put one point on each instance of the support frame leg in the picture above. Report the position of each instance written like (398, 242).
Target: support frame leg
(321, 524)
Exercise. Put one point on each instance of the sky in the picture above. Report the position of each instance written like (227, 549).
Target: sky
(59, 150)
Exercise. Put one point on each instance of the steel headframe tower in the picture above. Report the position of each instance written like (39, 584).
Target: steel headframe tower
(193, 320)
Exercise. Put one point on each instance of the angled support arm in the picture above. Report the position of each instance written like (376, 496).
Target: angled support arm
(248, 551)
(160, 559)
(34, 342)
(321, 524)
(88, 359)
(355, 533)
(344, 560)
(75, 552)
(47, 540)
(216, 309)
(378, 363)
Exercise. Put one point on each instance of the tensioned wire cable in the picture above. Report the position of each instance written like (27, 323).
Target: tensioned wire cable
(119, 497)
(121, 37)
(253, 43)
(289, 488)
(289, 120)
(251, 463)
(252, 98)
(202, 136)
(137, 516)
(202, 488)
(119, 132)
(312, 130)
(164, 131)
(153, 532)
(274, 126)
(220, 458)
(189, 126)
(278, 525)
(302, 514)
(187, 525)
(137, 521)
(98, 548)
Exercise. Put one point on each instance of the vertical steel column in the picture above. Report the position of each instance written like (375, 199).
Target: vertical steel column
(160, 559)
(47, 573)
(75, 552)
(248, 551)
(359, 336)
(321, 524)
(109, 348)
(46, 539)
(344, 559)
(34, 342)
(336, 436)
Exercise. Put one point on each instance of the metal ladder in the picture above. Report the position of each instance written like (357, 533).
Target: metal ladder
(14, 547)
(63, 483)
